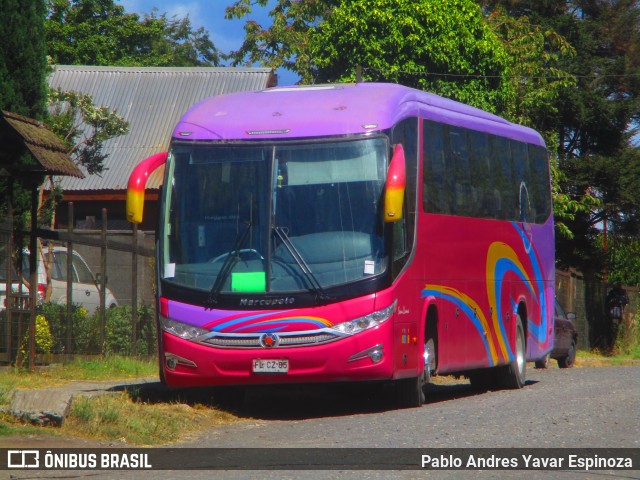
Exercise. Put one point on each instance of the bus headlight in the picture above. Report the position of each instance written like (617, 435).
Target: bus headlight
(182, 330)
(371, 320)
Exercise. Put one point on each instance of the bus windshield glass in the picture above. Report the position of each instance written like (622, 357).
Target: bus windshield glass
(259, 218)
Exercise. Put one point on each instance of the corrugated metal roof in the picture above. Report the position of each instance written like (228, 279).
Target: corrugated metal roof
(152, 100)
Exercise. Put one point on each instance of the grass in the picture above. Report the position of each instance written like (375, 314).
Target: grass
(109, 368)
(115, 416)
(595, 358)
(118, 417)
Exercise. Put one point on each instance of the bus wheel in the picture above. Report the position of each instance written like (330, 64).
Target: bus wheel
(513, 375)
(409, 392)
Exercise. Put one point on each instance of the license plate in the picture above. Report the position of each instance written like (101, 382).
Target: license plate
(270, 366)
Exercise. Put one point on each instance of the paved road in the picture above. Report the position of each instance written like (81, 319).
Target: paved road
(581, 407)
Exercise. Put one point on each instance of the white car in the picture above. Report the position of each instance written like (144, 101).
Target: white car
(85, 290)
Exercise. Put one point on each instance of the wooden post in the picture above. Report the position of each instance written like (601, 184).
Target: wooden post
(134, 290)
(103, 280)
(69, 280)
(9, 293)
(33, 281)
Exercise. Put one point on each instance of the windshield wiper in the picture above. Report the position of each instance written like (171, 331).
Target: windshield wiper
(229, 262)
(321, 296)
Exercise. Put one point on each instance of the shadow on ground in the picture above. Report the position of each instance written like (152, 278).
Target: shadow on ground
(296, 402)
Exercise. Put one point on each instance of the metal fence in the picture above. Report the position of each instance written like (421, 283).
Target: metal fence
(95, 269)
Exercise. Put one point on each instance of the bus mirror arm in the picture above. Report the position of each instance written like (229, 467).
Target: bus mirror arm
(137, 183)
(395, 186)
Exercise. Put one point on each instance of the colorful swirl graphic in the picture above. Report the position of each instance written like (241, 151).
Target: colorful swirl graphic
(271, 320)
(502, 260)
(471, 310)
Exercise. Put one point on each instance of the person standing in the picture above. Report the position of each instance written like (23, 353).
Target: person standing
(617, 300)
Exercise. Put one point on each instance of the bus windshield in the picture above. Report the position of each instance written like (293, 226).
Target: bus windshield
(259, 218)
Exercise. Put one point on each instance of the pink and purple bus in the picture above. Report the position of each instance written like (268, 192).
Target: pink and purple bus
(361, 232)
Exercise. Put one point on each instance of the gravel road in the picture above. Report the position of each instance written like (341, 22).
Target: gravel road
(573, 408)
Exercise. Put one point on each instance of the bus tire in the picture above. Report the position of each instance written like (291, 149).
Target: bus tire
(514, 374)
(410, 392)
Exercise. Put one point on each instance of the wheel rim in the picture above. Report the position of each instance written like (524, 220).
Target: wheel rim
(429, 357)
(520, 352)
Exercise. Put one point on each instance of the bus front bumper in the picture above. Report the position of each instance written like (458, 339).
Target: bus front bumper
(366, 356)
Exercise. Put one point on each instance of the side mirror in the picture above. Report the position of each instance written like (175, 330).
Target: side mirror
(137, 184)
(395, 186)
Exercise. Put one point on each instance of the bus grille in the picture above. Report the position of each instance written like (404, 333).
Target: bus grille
(298, 339)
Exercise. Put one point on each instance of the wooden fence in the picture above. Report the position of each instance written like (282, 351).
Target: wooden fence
(586, 297)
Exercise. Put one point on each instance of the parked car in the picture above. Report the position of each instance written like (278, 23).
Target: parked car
(564, 342)
(85, 291)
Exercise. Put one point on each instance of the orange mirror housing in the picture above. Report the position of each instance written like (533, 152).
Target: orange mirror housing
(137, 184)
(395, 186)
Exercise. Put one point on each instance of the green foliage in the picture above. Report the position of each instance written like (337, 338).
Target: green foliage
(445, 47)
(627, 342)
(43, 338)
(286, 42)
(99, 32)
(85, 333)
(592, 122)
(83, 329)
(23, 63)
(84, 127)
(535, 68)
(623, 255)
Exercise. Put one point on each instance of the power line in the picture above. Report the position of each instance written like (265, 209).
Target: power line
(594, 76)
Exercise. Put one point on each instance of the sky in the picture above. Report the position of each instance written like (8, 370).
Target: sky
(226, 35)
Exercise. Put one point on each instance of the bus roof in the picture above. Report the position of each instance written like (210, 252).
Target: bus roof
(332, 109)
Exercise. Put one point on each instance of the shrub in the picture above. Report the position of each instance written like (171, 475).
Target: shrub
(84, 333)
(85, 329)
(43, 337)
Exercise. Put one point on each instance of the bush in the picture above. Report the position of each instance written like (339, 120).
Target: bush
(628, 338)
(119, 332)
(85, 329)
(43, 338)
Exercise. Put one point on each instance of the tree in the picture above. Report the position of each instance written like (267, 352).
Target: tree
(286, 42)
(99, 32)
(23, 63)
(445, 47)
(623, 255)
(23, 69)
(540, 82)
(594, 121)
(84, 127)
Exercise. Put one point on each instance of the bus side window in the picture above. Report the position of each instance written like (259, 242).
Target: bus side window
(501, 174)
(479, 166)
(438, 178)
(523, 180)
(539, 188)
